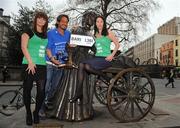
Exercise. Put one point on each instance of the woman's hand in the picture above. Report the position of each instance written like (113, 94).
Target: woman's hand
(31, 68)
(109, 58)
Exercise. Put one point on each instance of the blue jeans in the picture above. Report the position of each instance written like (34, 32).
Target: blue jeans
(53, 77)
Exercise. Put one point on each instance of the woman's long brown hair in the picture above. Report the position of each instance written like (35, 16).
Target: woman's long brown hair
(39, 15)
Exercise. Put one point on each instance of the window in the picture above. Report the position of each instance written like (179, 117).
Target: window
(169, 54)
(176, 42)
(176, 52)
(160, 56)
(176, 61)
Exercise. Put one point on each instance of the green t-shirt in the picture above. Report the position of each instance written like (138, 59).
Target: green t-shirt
(103, 44)
(36, 49)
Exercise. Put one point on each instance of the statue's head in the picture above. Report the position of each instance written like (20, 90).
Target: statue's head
(88, 19)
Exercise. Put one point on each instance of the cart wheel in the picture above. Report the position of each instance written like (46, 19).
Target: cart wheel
(137, 61)
(100, 92)
(131, 95)
(144, 63)
(101, 89)
(152, 61)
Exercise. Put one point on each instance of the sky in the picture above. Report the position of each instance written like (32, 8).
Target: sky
(168, 9)
(10, 6)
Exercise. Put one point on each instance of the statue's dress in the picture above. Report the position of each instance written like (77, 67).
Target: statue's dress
(61, 108)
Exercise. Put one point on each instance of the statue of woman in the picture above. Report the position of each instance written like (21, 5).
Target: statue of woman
(80, 110)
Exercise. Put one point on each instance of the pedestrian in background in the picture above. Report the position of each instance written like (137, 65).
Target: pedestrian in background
(5, 73)
(170, 78)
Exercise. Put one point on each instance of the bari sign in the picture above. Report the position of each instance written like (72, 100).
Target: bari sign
(82, 40)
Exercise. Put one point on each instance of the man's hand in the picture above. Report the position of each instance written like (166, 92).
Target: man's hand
(54, 61)
(72, 45)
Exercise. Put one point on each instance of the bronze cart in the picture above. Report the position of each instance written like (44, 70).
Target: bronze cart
(130, 94)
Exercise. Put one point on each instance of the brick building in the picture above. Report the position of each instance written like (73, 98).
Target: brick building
(172, 27)
(167, 53)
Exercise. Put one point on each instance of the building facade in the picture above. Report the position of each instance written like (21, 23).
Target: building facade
(150, 48)
(10, 53)
(4, 31)
(172, 27)
(167, 53)
(177, 51)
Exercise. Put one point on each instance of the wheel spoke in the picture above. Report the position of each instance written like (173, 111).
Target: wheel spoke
(141, 111)
(123, 96)
(144, 93)
(132, 108)
(125, 109)
(143, 86)
(137, 80)
(145, 101)
(101, 86)
(102, 92)
(120, 89)
(118, 104)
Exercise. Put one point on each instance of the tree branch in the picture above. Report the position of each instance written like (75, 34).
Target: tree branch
(122, 7)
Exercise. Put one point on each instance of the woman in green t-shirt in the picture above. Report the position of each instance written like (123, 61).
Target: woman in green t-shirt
(33, 44)
(103, 56)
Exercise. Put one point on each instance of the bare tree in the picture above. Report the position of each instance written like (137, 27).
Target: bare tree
(125, 17)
